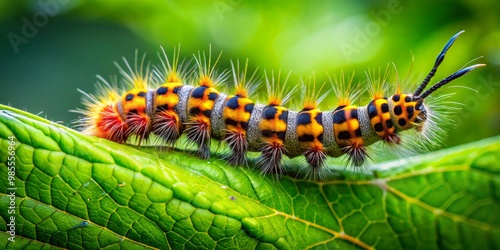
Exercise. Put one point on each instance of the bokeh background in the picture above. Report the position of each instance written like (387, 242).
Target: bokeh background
(49, 48)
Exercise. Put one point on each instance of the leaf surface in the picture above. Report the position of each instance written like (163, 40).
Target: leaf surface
(80, 192)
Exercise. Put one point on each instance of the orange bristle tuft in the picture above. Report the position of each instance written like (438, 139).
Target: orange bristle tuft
(206, 81)
(377, 82)
(344, 90)
(207, 75)
(274, 101)
(241, 91)
(310, 96)
(310, 105)
(173, 77)
(276, 90)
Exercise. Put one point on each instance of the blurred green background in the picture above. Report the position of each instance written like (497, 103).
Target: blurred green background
(50, 48)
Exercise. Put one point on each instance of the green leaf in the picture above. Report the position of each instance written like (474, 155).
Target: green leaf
(81, 192)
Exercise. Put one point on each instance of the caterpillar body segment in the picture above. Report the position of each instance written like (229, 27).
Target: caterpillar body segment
(136, 105)
(174, 107)
(272, 127)
(309, 127)
(102, 116)
(201, 102)
(167, 121)
(237, 111)
(380, 119)
(232, 115)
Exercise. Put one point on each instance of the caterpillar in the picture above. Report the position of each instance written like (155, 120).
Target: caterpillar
(174, 107)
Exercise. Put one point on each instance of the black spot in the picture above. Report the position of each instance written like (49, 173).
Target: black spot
(339, 108)
(244, 125)
(194, 111)
(230, 122)
(233, 103)
(409, 110)
(396, 98)
(162, 107)
(389, 124)
(281, 135)
(207, 113)
(161, 90)
(372, 110)
(132, 113)
(284, 115)
(398, 110)
(378, 127)
(319, 118)
(402, 122)
(357, 132)
(385, 108)
(269, 113)
(142, 94)
(344, 135)
(303, 119)
(176, 90)
(212, 96)
(354, 114)
(320, 137)
(129, 97)
(306, 138)
(339, 117)
(198, 92)
(419, 106)
(306, 109)
(249, 107)
(408, 98)
(267, 133)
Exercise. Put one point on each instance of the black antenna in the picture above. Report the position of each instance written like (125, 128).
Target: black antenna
(448, 79)
(439, 60)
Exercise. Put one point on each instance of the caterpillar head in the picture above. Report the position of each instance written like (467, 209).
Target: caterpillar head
(408, 110)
